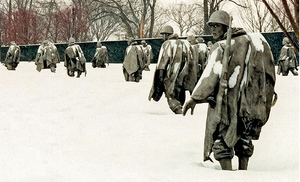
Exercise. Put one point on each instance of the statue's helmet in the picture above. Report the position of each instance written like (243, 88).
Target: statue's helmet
(45, 42)
(209, 43)
(130, 40)
(221, 17)
(143, 42)
(191, 39)
(71, 40)
(167, 30)
(285, 41)
(200, 40)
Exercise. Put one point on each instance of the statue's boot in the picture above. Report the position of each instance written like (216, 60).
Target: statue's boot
(295, 73)
(52, 68)
(226, 164)
(243, 163)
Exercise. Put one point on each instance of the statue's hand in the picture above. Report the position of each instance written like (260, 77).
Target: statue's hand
(189, 105)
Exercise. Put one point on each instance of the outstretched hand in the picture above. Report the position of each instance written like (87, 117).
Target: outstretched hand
(189, 105)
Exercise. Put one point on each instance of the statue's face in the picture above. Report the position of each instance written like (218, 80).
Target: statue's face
(217, 30)
(165, 36)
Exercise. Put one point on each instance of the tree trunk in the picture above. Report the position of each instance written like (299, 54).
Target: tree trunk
(206, 30)
(152, 8)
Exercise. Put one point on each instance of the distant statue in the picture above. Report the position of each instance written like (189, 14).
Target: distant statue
(147, 54)
(47, 56)
(13, 55)
(74, 59)
(133, 64)
(287, 59)
(100, 57)
(203, 51)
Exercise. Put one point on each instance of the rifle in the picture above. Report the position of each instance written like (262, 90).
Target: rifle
(224, 75)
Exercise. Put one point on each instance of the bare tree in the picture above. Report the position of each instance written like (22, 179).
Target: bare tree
(21, 22)
(103, 28)
(134, 14)
(256, 17)
(47, 11)
(71, 22)
(152, 16)
(186, 16)
(161, 18)
(289, 7)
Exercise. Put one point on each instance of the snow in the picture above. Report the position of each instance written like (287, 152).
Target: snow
(258, 39)
(101, 128)
(233, 78)
(218, 68)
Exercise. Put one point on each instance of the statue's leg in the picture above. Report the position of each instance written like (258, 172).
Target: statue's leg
(243, 163)
(174, 105)
(223, 153)
(226, 164)
(244, 150)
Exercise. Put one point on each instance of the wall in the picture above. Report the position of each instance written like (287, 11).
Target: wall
(116, 49)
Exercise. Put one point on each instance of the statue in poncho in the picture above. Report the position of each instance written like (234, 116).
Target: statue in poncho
(74, 59)
(13, 55)
(133, 64)
(238, 83)
(287, 59)
(101, 56)
(47, 56)
(147, 54)
(199, 53)
(175, 71)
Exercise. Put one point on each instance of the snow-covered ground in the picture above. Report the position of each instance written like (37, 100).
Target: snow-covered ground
(101, 128)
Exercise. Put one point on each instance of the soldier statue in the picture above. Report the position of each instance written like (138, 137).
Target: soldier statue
(47, 56)
(13, 55)
(101, 56)
(238, 83)
(175, 71)
(74, 59)
(133, 64)
(287, 59)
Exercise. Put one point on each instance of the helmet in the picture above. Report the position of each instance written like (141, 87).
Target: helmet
(221, 17)
(285, 41)
(191, 39)
(143, 42)
(71, 40)
(200, 40)
(130, 40)
(45, 42)
(167, 30)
